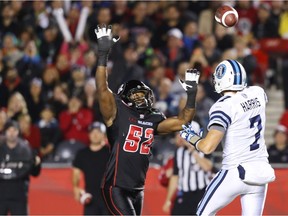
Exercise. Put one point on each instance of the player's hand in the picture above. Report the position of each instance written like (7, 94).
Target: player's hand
(190, 86)
(105, 43)
(166, 207)
(191, 79)
(190, 135)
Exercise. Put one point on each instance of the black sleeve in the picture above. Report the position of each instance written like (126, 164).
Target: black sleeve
(175, 167)
(36, 169)
(77, 161)
(57, 135)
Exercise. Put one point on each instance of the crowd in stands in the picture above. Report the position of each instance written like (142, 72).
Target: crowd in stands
(48, 61)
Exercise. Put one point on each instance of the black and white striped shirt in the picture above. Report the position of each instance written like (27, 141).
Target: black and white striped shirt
(191, 176)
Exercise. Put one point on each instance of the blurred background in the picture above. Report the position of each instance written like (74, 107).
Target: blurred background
(48, 62)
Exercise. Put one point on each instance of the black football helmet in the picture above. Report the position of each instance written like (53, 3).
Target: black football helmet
(133, 86)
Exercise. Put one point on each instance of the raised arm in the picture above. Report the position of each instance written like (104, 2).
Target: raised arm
(174, 124)
(106, 99)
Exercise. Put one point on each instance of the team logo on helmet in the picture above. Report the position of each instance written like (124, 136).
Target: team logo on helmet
(220, 71)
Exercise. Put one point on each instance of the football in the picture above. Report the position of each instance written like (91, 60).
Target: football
(227, 16)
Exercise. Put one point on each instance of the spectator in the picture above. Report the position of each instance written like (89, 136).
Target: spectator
(38, 17)
(120, 12)
(224, 39)
(156, 74)
(59, 100)
(265, 26)
(144, 49)
(90, 62)
(16, 106)
(191, 175)
(278, 151)
(8, 23)
(91, 100)
(243, 54)
(14, 185)
(3, 120)
(77, 82)
(74, 121)
(50, 78)
(283, 22)
(166, 101)
(174, 51)
(11, 84)
(247, 14)
(139, 21)
(30, 65)
(74, 52)
(30, 132)
(176, 87)
(125, 68)
(50, 44)
(206, 18)
(50, 133)
(191, 38)
(171, 19)
(35, 100)
(284, 119)
(210, 51)
(3, 67)
(103, 15)
(63, 66)
(91, 161)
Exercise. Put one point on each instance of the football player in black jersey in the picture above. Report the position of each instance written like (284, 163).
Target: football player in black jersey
(131, 124)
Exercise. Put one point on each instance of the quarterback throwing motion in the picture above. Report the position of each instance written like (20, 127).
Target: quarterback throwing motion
(238, 120)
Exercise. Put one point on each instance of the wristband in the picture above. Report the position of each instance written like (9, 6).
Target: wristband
(191, 98)
(102, 61)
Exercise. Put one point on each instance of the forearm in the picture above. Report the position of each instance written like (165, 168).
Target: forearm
(186, 115)
(172, 188)
(75, 179)
(101, 79)
(203, 162)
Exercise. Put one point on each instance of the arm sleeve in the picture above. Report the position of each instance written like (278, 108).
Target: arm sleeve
(220, 115)
(175, 166)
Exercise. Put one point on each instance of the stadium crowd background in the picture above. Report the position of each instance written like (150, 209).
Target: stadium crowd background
(48, 62)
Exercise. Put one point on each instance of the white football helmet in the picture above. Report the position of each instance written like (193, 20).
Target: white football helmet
(229, 75)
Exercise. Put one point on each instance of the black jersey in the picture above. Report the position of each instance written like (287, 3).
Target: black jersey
(131, 136)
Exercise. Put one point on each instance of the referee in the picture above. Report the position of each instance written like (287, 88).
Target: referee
(191, 175)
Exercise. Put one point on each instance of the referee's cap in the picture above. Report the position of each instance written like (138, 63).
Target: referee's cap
(97, 125)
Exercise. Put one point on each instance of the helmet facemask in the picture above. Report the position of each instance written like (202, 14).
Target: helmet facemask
(136, 94)
(140, 98)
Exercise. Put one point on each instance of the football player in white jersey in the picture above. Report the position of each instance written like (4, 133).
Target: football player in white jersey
(237, 120)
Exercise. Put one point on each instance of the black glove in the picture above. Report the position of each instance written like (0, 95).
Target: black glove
(190, 85)
(105, 42)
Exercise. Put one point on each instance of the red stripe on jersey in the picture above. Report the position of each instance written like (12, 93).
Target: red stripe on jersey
(110, 189)
(104, 196)
(116, 165)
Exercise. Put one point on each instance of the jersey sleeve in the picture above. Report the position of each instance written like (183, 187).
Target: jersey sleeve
(220, 114)
(175, 166)
(77, 162)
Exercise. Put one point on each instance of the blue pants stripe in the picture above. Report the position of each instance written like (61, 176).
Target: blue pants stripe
(211, 190)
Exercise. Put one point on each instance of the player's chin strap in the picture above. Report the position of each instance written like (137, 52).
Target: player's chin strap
(191, 136)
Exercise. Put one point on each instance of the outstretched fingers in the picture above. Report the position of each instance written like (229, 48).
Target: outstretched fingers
(192, 74)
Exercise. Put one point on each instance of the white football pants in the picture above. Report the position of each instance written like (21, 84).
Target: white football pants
(225, 187)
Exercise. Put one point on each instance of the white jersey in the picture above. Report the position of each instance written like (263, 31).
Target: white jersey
(243, 117)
